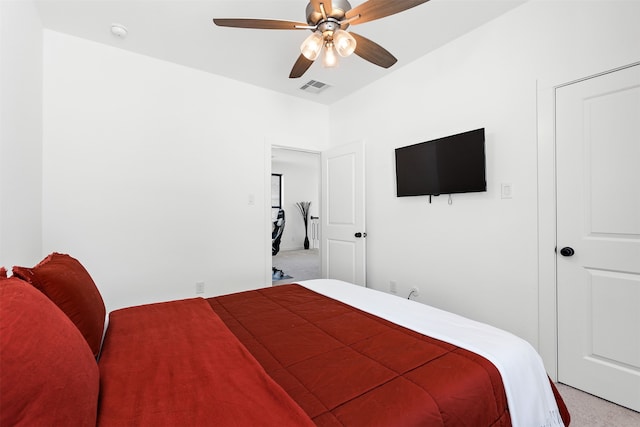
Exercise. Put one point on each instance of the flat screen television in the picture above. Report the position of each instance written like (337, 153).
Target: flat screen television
(453, 164)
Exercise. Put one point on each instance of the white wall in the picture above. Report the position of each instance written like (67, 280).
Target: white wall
(478, 257)
(149, 168)
(301, 182)
(20, 133)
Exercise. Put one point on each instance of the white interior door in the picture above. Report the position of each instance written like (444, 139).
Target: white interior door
(343, 214)
(598, 202)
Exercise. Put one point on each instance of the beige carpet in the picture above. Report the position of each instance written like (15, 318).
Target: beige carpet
(590, 411)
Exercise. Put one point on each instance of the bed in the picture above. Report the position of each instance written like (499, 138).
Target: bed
(320, 352)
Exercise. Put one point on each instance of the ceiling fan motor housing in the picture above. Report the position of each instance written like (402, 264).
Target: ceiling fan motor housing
(338, 10)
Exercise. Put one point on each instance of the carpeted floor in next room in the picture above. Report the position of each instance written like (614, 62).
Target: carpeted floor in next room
(300, 265)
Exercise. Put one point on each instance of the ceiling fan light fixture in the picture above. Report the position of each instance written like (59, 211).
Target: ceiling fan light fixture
(328, 21)
(344, 42)
(330, 59)
(312, 46)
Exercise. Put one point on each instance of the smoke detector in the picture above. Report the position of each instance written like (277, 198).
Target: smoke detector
(119, 31)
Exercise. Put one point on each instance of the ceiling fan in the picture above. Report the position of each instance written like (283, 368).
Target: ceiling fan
(328, 20)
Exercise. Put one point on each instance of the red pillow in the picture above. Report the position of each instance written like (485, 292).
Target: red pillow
(66, 282)
(48, 375)
(3, 273)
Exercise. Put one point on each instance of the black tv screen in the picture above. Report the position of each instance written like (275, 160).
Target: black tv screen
(453, 164)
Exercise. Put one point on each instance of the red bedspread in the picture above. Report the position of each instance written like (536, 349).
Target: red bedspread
(347, 367)
(176, 364)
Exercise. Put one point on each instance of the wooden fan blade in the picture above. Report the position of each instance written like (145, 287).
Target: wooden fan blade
(376, 9)
(327, 6)
(373, 52)
(261, 24)
(300, 67)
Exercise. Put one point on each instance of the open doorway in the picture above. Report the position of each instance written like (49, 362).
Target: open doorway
(295, 188)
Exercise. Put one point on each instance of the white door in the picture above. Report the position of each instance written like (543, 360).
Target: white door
(598, 202)
(343, 222)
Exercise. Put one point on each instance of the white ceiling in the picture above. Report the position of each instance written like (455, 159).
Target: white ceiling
(182, 31)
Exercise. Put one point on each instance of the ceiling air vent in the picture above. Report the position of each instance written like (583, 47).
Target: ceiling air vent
(314, 86)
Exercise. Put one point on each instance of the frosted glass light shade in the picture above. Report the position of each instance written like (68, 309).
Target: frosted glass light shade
(344, 42)
(330, 57)
(312, 46)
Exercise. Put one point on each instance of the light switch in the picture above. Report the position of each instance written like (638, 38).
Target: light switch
(506, 190)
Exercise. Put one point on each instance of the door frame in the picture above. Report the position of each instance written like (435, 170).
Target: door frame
(547, 212)
(267, 215)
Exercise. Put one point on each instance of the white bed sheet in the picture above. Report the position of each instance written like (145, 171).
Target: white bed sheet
(529, 395)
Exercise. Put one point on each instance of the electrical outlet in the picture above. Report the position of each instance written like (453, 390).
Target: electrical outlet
(199, 287)
(393, 287)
